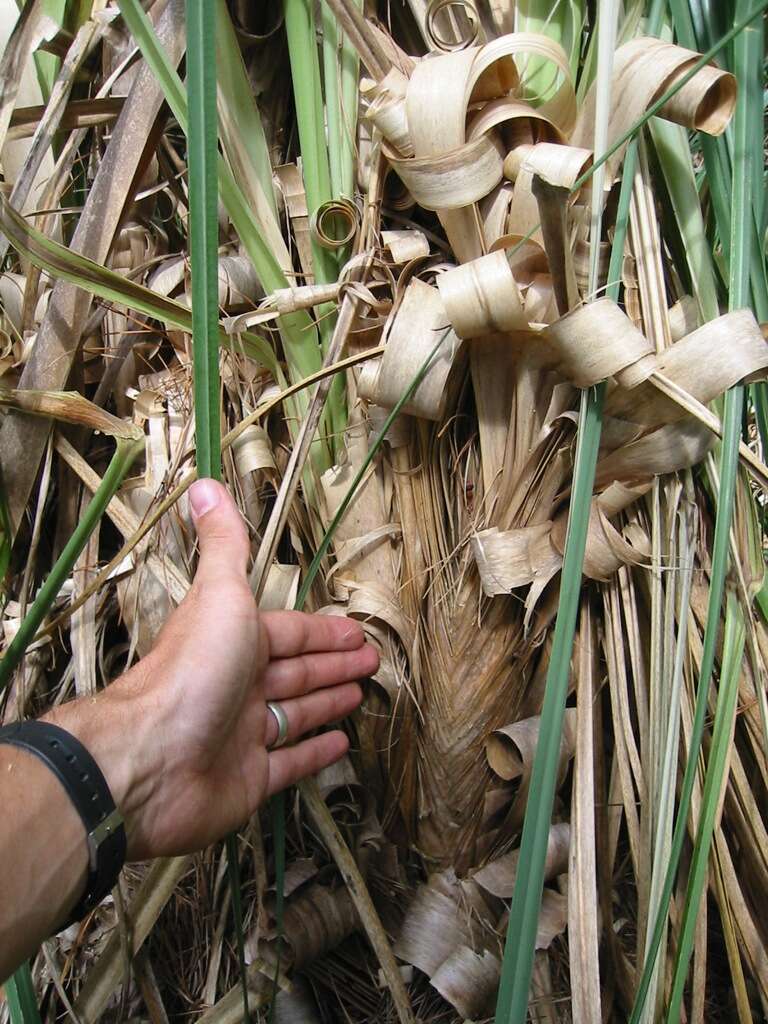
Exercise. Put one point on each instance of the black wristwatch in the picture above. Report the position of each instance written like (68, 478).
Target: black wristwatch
(87, 788)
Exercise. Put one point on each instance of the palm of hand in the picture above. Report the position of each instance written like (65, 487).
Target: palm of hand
(217, 662)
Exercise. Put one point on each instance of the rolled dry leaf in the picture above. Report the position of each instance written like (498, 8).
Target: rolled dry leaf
(292, 186)
(384, 105)
(511, 558)
(559, 166)
(683, 317)
(493, 211)
(606, 548)
(481, 297)
(335, 224)
(455, 178)
(498, 877)
(676, 446)
(468, 981)
(511, 749)
(337, 777)
(318, 920)
(405, 246)
(253, 450)
(444, 915)
(69, 407)
(705, 364)
(643, 70)
(237, 282)
(290, 300)
(413, 333)
(598, 341)
(522, 123)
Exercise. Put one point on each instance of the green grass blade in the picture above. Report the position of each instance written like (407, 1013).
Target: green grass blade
(315, 166)
(739, 267)
(350, 73)
(512, 999)
(671, 144)
(204, 230)
(202, 137)
(297, 329)
(730, 674)
(20, 993)
(748, 66)
(59, 261)
(125, 454)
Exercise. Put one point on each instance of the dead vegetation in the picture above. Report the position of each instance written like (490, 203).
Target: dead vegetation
(445, 252)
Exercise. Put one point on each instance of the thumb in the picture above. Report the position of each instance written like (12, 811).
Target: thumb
(221, 531)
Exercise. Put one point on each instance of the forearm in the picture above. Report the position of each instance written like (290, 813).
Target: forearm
(43, 846)
(43, 856)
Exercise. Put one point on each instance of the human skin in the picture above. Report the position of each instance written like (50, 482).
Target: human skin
(183, 737)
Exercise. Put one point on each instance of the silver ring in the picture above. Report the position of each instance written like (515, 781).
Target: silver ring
(282, 723)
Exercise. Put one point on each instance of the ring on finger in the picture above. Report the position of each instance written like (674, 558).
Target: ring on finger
(281, 718)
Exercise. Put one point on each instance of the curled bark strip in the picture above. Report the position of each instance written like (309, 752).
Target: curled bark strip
(598, 341)
(411, 337)
(643, 70)
(384, 103)
(453, 179)
(444, 43)
(482, 297)
(336, 223)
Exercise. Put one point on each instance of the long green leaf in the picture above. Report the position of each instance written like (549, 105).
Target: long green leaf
(296, 329)
(739, 267)
(749, 56)
(59, 261)
(520, 945)
(20, 993)
(204, 231)
(126, 452)
(202, 137)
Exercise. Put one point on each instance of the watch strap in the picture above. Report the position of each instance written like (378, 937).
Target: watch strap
(87, 788)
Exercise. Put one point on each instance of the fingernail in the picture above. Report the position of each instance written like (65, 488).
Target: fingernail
(204, 495)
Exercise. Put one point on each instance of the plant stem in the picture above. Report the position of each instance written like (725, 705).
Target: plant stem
(204, 230)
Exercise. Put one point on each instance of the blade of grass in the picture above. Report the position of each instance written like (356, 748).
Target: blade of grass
(730, 674)
(204, 229)
(20, 993)
(350, 74)
(297, 330)
(315, 167)
(748, 67)
(126, 452)
(519, 951)
(739, 267)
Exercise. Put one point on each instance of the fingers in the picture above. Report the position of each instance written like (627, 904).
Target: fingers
(292, 633)
(290, 764)
(221, 531)
(292, 677)
(307, 713)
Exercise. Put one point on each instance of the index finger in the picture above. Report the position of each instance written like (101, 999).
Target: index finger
(292, 633)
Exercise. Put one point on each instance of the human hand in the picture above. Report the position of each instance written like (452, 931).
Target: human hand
(183, 737)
